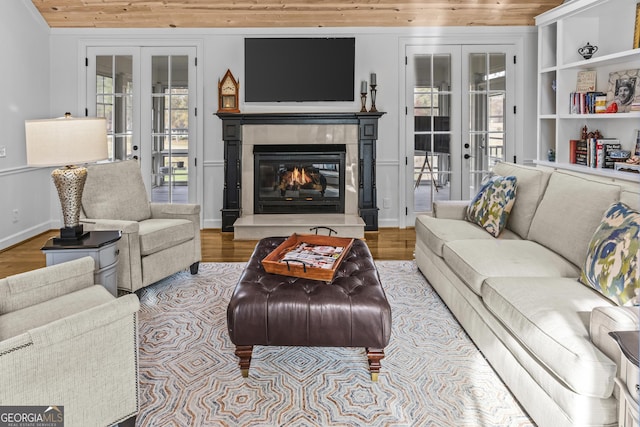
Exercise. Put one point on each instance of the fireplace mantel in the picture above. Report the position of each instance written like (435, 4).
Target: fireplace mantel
(232, 124)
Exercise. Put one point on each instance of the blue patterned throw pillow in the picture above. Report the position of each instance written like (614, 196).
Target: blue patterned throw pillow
(612, 266)
(491, 207)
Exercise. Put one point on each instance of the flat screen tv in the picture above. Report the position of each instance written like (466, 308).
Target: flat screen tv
(299, 69)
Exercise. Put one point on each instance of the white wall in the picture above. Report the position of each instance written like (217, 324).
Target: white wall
(377, 50)
(24, 94)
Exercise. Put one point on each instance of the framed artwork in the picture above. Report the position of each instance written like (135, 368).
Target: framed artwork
(624, 89)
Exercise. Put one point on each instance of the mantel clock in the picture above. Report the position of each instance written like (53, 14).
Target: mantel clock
(228, 91)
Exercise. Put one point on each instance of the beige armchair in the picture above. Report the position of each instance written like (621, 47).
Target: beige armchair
(158, 239)
(66, 341)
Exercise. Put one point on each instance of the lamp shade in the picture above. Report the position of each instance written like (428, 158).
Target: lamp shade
(66, 141)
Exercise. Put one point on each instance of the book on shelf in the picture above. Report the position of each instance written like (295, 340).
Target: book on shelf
(587, 102)
(609, 145)
(579, 152)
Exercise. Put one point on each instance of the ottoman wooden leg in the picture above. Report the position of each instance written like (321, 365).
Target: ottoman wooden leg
(374, 355)
(244, 354)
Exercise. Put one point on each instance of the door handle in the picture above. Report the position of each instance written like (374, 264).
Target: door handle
(467, 156)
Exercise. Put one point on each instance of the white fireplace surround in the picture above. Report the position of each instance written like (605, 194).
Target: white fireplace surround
(295, 134)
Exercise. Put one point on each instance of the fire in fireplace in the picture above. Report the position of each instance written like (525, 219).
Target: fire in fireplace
(299, 178)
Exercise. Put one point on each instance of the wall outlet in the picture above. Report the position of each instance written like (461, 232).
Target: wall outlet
(3, 151)
(15, 215)
(386, 203)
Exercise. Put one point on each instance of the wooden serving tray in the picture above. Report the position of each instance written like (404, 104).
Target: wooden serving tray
(290, 259)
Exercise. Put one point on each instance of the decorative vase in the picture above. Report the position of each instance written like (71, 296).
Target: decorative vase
(587, 51)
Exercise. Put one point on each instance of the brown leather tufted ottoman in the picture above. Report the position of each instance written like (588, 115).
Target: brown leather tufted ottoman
(270, 309)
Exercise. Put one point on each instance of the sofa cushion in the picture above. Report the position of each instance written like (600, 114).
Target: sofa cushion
(612, 264)
(532, 183)
(490, 208)
(115, 191)
(584, 200)
(160, 234)
(630, 198)
(20, 321)
(476, 260)
(550, 317)
(436, 232)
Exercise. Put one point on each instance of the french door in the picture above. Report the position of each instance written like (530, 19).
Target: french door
(457, 123)
(148, 96)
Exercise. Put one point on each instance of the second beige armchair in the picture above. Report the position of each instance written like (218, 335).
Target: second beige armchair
(158, 239)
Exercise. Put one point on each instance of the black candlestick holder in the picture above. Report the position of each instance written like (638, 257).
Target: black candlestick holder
(363, 99)
(373, 99)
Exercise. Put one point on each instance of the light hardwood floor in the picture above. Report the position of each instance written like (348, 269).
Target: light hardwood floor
(387, 244)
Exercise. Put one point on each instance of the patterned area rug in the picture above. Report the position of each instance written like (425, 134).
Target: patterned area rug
(432, 374)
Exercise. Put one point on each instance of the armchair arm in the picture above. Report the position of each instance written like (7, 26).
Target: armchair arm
(188, 211)
(175, 210)
(450, 209)
(33, 287)
(127, 227)
(609, 319)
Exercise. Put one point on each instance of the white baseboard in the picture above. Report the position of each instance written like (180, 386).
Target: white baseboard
(23, 235)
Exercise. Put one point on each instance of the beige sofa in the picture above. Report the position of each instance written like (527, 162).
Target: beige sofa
(518, 297)
(66, 341)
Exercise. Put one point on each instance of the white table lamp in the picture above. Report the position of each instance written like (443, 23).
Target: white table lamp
(67, 141)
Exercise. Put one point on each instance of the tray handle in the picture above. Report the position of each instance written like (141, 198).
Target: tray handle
(304, 264)
(331, 230)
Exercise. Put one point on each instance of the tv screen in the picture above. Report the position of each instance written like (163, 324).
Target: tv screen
(299, 69)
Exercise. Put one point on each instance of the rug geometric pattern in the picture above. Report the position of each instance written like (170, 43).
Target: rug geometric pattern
(432, 374)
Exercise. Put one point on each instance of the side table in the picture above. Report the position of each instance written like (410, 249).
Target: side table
(629, 379)
(100, 245)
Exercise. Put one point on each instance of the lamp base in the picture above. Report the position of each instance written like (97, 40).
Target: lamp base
(71, 234)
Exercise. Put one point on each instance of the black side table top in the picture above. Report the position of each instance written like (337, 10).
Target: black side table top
(629, 344)
(95, 239)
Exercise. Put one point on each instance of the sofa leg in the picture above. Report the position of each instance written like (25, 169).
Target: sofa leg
(194, 267)
(129, 422)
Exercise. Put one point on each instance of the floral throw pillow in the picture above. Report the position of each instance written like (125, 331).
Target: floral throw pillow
(612, 262)
(490, 208)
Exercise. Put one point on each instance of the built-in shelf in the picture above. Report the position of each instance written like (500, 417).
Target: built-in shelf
(561, 32)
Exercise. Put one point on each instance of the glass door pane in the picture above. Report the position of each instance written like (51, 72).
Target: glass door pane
(114, 101)
(170, 128)
(432, 99)
(487, 118)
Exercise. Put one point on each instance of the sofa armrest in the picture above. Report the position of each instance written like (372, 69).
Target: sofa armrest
(86, 360)
(450, 209)
(87, 321)
(43, 284)
(126, 227)
(609, 319)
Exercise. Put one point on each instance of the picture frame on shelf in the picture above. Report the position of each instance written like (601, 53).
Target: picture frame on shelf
(586, 81)
(636, 31)
(636, 151)
(624, 91)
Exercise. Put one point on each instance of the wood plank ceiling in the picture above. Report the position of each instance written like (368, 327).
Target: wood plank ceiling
(288, 13)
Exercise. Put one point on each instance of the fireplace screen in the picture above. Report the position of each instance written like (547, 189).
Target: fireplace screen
(299, 178)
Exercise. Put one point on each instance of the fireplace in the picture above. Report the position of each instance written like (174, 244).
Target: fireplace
(243, 133)
(299, 178)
